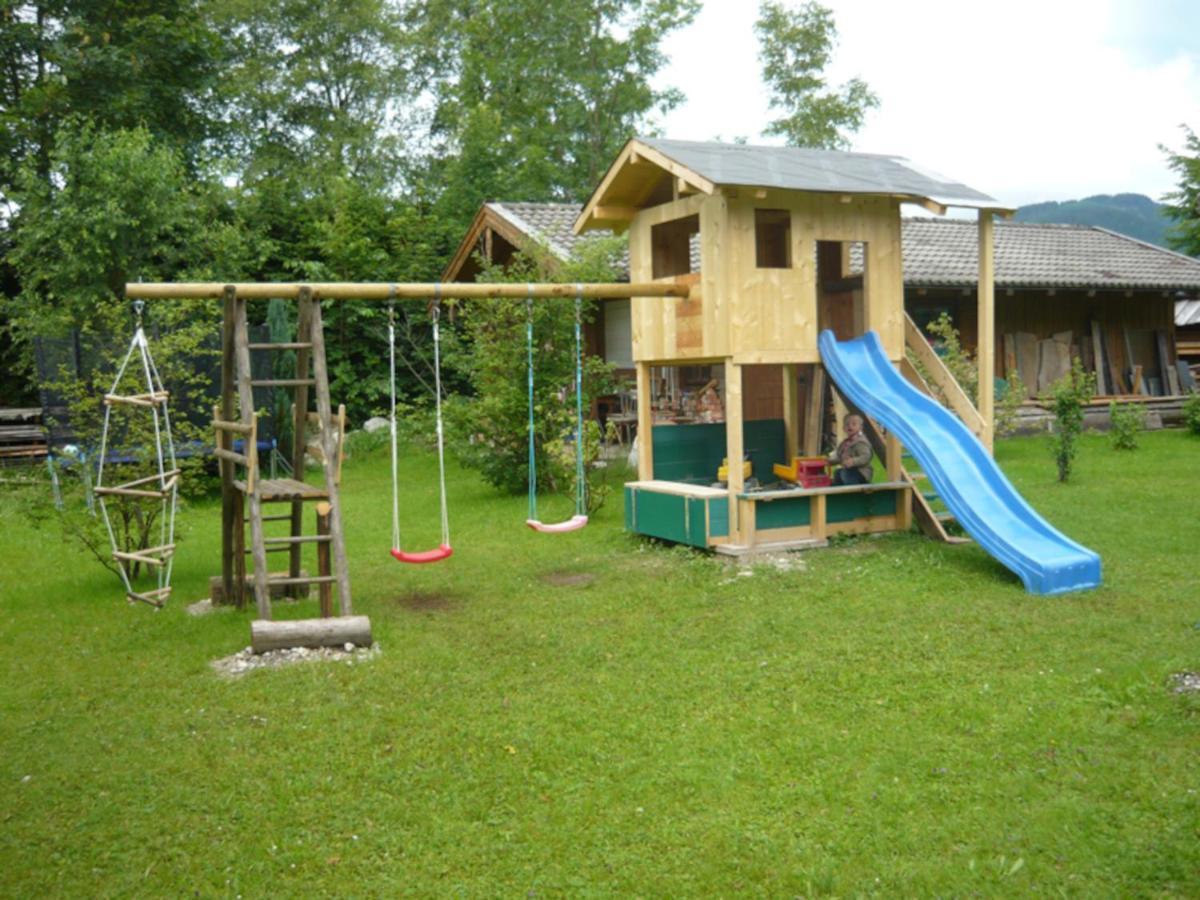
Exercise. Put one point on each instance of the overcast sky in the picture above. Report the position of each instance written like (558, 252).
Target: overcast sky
(1028, 100)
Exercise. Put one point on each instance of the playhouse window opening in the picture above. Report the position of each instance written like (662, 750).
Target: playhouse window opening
(773, 238)
(671, 246)
(842, 287)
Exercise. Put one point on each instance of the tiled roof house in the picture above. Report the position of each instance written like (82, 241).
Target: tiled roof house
(1050, 280)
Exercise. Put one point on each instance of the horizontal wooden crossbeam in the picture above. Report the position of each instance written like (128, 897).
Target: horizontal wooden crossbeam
(383, 291)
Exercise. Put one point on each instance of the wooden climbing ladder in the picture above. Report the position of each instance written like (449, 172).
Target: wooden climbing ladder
(245, 498)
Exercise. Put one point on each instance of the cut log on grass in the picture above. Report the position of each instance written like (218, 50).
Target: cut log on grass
(271, 635)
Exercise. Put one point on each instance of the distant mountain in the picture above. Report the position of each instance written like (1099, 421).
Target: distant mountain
(1133, 214)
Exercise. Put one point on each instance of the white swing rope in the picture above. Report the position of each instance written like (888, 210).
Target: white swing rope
(167, 512)
(437, 383)
(392, 419)
(437, 379)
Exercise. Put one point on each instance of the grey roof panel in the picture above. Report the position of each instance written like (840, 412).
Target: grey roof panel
(802, 169)
(945, 253)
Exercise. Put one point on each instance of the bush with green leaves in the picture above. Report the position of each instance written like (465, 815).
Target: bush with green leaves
(490, 430)
(1127, 420)
(1191, 412)
(1069, 395)
(1008, 403)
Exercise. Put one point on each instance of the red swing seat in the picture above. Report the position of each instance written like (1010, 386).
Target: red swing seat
(425, 556)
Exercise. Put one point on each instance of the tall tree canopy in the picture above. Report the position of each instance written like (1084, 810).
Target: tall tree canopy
(539, 112)
(116, 63)
(1183, 204)
(795, 47)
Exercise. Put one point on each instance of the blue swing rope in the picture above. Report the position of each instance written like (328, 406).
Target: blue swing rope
(529, 379)
(580, 470)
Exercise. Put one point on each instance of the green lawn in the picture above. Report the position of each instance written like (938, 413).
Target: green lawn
(889, 716)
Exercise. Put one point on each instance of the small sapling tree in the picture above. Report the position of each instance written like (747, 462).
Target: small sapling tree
(1127, 420)
(1068, 397)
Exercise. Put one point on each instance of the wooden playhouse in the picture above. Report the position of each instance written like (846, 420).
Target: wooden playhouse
(776, 245)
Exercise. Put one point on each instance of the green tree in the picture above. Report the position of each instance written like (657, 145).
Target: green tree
(538, 113)
(1183, 204)
(491, 428)
(795, 47)
(118, 63)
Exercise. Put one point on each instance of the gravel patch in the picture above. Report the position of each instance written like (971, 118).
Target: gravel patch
(1185, 683)
(246, 661)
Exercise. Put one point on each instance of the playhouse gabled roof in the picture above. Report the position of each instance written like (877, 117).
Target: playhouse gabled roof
(705, 166)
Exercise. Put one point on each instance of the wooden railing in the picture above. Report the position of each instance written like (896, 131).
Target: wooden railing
(943, 381)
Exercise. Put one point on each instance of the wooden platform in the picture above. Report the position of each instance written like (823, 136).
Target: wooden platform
(279, 490)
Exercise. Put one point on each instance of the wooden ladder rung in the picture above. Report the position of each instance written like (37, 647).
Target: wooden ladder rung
(282, 382)
(309, 579)
(236, 427)
(135, 492)
(281, 517)
(135, 399)
(169, 476)
(283, 345)
(231, 455)
(143, 556)
(298, 539)
(250, 550)
(154, 598)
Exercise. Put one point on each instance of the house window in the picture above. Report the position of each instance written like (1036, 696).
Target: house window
(773, 238)
(671, 246)
(618, 336)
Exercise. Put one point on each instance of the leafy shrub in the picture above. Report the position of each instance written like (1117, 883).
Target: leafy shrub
(1191, 412)
(1127, 420)
(962, 365)
(1007, 404)
(490, 431)
(1068, 396)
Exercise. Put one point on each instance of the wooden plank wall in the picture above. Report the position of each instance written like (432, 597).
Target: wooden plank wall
(1038, 313)
(763, 316)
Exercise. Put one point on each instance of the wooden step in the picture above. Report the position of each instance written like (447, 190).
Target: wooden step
(307, 579)
(282, 382)
(277, 490)
(136, 399)
(283, 345)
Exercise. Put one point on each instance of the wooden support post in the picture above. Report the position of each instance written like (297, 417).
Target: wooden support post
(816, 516)
(645, 426)
(735, 448)
(985, 349)
(325, 590)
(791, 413)
(299, 422)
(241, 334)
(814, 415)
(229, 494)
(237, 594)
(324, 408)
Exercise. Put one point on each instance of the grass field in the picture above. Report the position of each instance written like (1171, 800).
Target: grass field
(593, 714)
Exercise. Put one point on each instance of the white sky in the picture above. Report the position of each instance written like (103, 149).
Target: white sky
(1027, 100)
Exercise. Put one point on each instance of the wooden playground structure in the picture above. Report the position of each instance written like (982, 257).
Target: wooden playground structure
(245, 493)
(764, 240)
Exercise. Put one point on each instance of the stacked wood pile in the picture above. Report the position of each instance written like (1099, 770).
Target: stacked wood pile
(1126, 362)
(22, 437)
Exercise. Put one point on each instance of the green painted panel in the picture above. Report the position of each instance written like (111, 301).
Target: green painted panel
(847, 507)
(718, 517)
(787, 513)
(697, 535)
(663, 516)
(693, 453)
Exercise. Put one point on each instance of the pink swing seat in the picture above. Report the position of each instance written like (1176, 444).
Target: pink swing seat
(426, 556)
(572, 524)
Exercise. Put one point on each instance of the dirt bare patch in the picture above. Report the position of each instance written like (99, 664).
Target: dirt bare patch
(427, 601)
(568, 579)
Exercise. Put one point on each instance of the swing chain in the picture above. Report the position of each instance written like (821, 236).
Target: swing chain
(391, 306)
(138, 306)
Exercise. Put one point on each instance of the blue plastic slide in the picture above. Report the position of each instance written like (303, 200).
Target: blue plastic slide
(962, 472)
